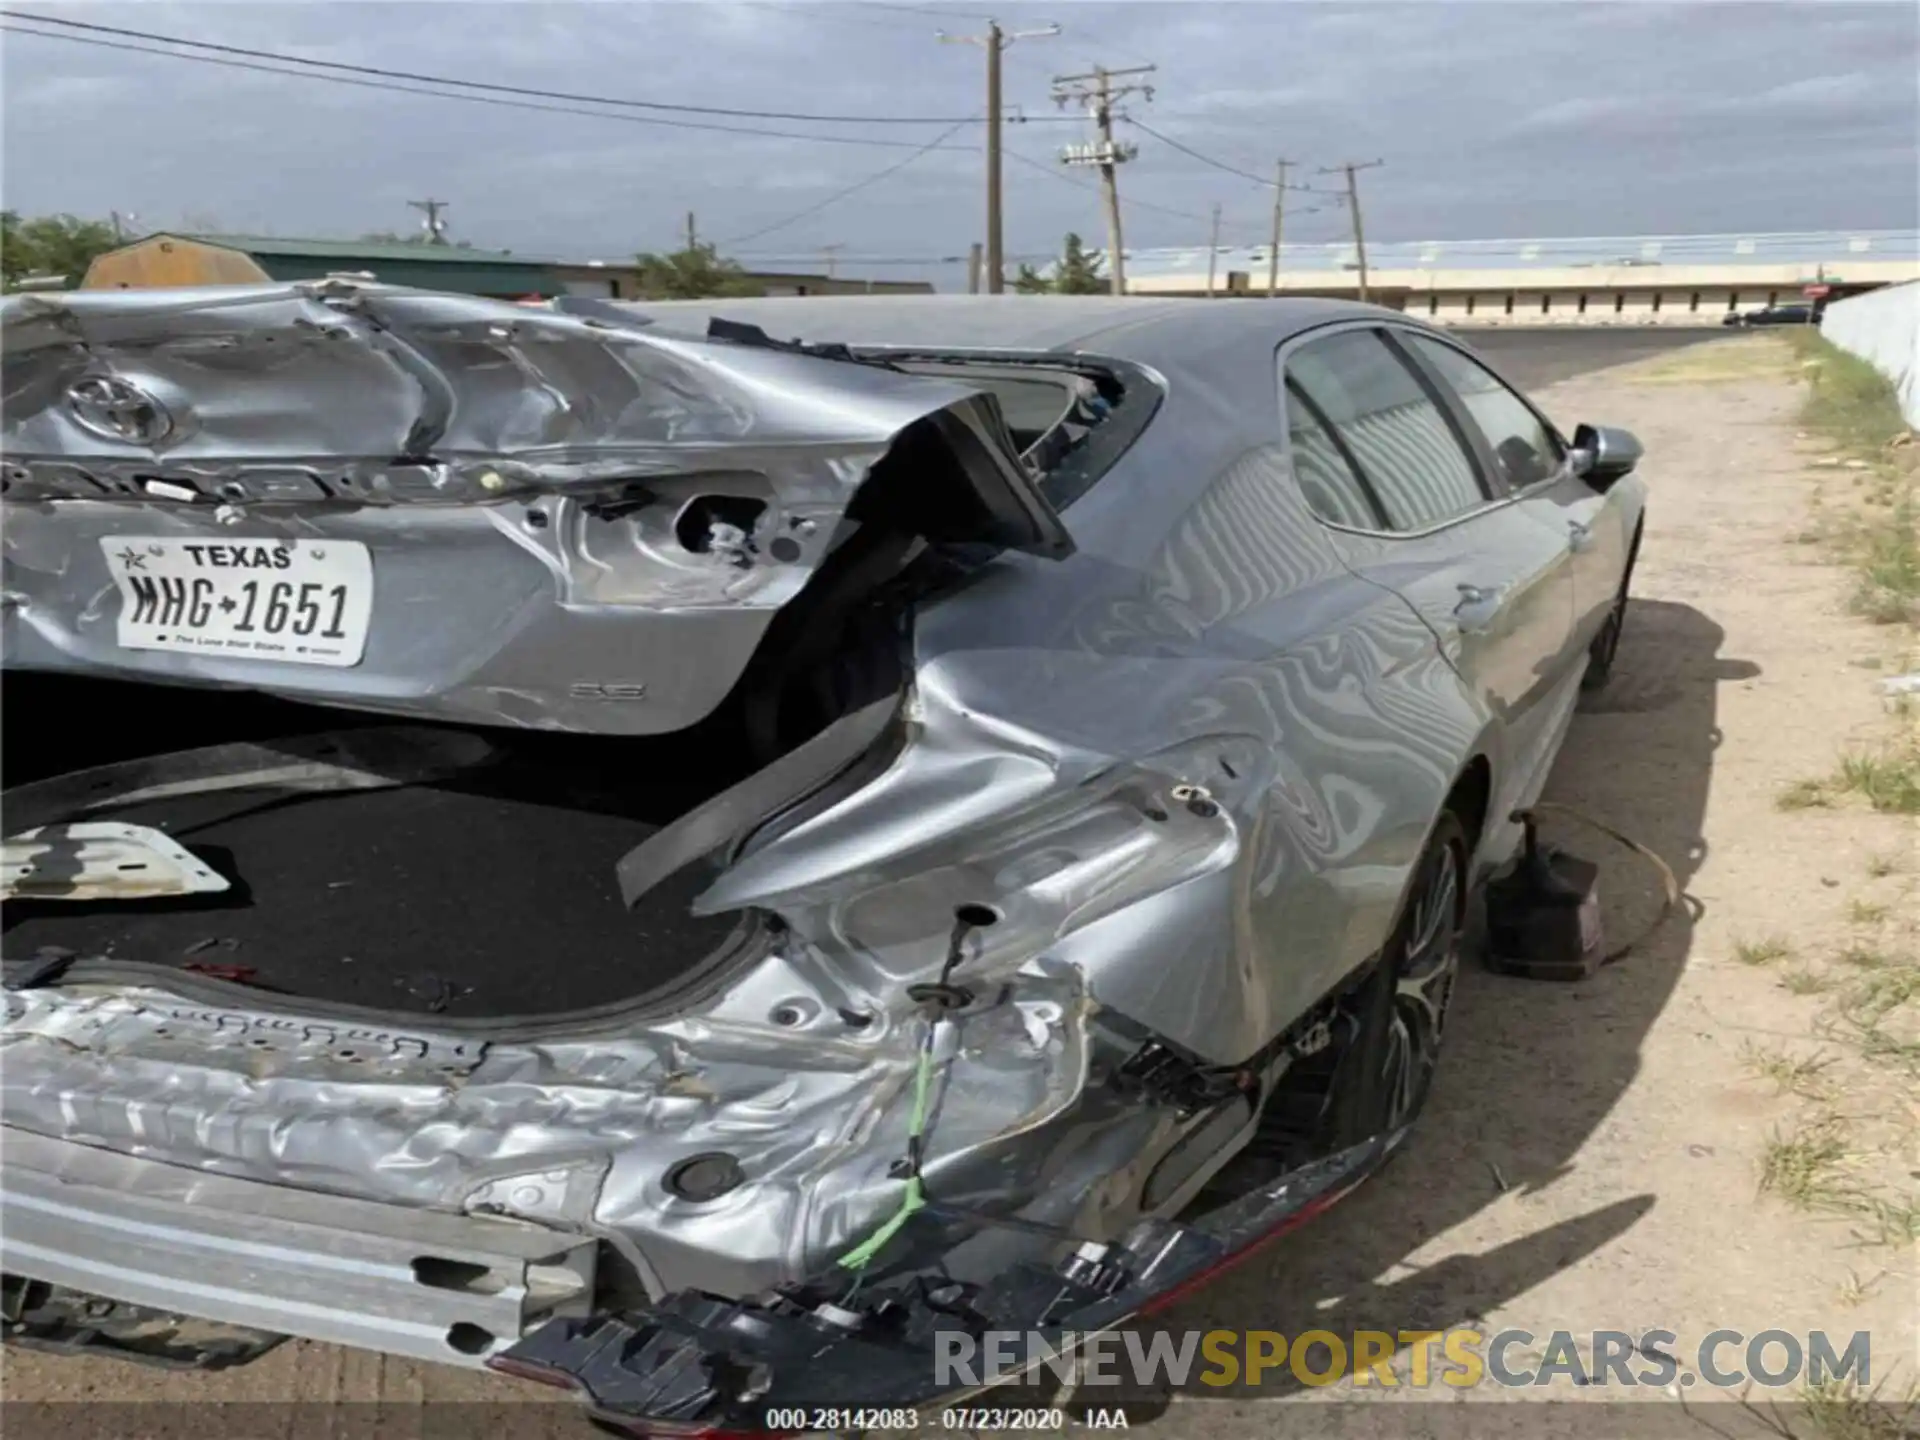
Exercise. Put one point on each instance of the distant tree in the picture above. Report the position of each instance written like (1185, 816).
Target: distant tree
(1029, 281)
(1078, 273)
(693, 274)
(1075, 273)
(51, 245)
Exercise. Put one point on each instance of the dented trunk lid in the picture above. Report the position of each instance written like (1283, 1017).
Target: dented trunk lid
(451, 507)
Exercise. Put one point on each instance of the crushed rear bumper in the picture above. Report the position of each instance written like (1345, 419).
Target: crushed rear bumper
(698, 1364)
(434, 1286)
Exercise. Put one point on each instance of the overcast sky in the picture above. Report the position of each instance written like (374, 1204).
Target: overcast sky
(1527, 118)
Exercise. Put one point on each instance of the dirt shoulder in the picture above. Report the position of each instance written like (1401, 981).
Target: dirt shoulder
(1593, 1155)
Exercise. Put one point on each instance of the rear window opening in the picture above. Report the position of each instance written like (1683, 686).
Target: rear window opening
(1071, 419)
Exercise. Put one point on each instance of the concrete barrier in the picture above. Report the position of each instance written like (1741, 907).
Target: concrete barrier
(1883, 329)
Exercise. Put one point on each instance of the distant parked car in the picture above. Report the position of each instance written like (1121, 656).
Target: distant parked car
(1774, 315)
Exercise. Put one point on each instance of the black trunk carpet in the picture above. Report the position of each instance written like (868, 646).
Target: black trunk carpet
(492, 894)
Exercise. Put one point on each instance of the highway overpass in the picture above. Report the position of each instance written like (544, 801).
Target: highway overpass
(1594, 280)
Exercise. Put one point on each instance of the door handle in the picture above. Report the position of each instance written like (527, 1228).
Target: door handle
(1478, 605)
(1579, 536)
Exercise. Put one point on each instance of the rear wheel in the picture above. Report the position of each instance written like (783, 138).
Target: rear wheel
(1388, 1071)
(1373, 1076)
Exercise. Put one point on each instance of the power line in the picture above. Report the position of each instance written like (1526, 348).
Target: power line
(1191, 153)
(474, 99)
(414, 77)
(857, 185)
(933, 11)
(838, 14)
(1127, 202)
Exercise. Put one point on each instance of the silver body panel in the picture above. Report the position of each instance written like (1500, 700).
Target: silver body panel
(520, 477)
(385, 1277)
(1206, 631)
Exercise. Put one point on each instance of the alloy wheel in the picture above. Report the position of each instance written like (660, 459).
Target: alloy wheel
(1424, 973)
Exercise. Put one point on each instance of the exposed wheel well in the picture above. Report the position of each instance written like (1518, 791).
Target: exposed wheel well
(1469, 798)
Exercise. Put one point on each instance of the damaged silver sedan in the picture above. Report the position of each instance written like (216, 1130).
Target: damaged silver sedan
(761, 853)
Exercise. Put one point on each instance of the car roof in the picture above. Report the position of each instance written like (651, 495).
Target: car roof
(1151, 331)
(1214, 359)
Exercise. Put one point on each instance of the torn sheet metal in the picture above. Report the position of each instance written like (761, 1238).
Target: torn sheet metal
(445, 506)
(101, 860)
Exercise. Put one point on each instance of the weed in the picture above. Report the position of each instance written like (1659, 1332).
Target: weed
(1877, 1044)
(1887, 567)
(1801, 980)
(1888, 780)
(1789, 1076)
(1761, 952)
(1804, 795)
(1895, 1222)
(1881, 866)
(1848, 401)
(1802, 1168)
(1854, 407)
(1863, 957)
(1866, 912)
(1839, 1410)
(1882, 990)
(1855, 1291)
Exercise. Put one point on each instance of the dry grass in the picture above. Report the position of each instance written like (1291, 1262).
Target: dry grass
(1877, 1012)
(1848, 401)
(1719, 362)
(1887, 779)
(1840, 1410)
(1804, 980)
(1865, 912)
(1763, 951)
(1804, 795)
(1864, 957)
(1854, 408)
(1803, 1168)
(1789, 1075)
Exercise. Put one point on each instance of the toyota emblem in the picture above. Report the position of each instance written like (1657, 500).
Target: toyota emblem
(114, 410)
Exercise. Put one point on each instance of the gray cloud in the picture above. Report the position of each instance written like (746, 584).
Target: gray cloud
(1494, 119)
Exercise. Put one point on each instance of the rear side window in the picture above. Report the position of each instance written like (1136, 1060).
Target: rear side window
(1526, 450)
(1407, 451)
(1332, 490)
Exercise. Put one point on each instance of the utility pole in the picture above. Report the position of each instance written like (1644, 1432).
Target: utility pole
(1351, 168)
(435, 227)
(1213, 248)
(1279, 205)
(827, 252)
(693, 235)
(995, 42)
(1096, 91)
(973, 268)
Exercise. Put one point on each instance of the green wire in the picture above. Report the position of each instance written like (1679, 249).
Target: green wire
(915, 1197)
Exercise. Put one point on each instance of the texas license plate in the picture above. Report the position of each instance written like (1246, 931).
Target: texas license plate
(305, 603)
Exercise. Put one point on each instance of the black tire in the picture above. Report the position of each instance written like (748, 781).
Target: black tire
(1388, 1072)
(1606, 645)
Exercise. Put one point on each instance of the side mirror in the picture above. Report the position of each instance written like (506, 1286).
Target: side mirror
(1603, 455)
